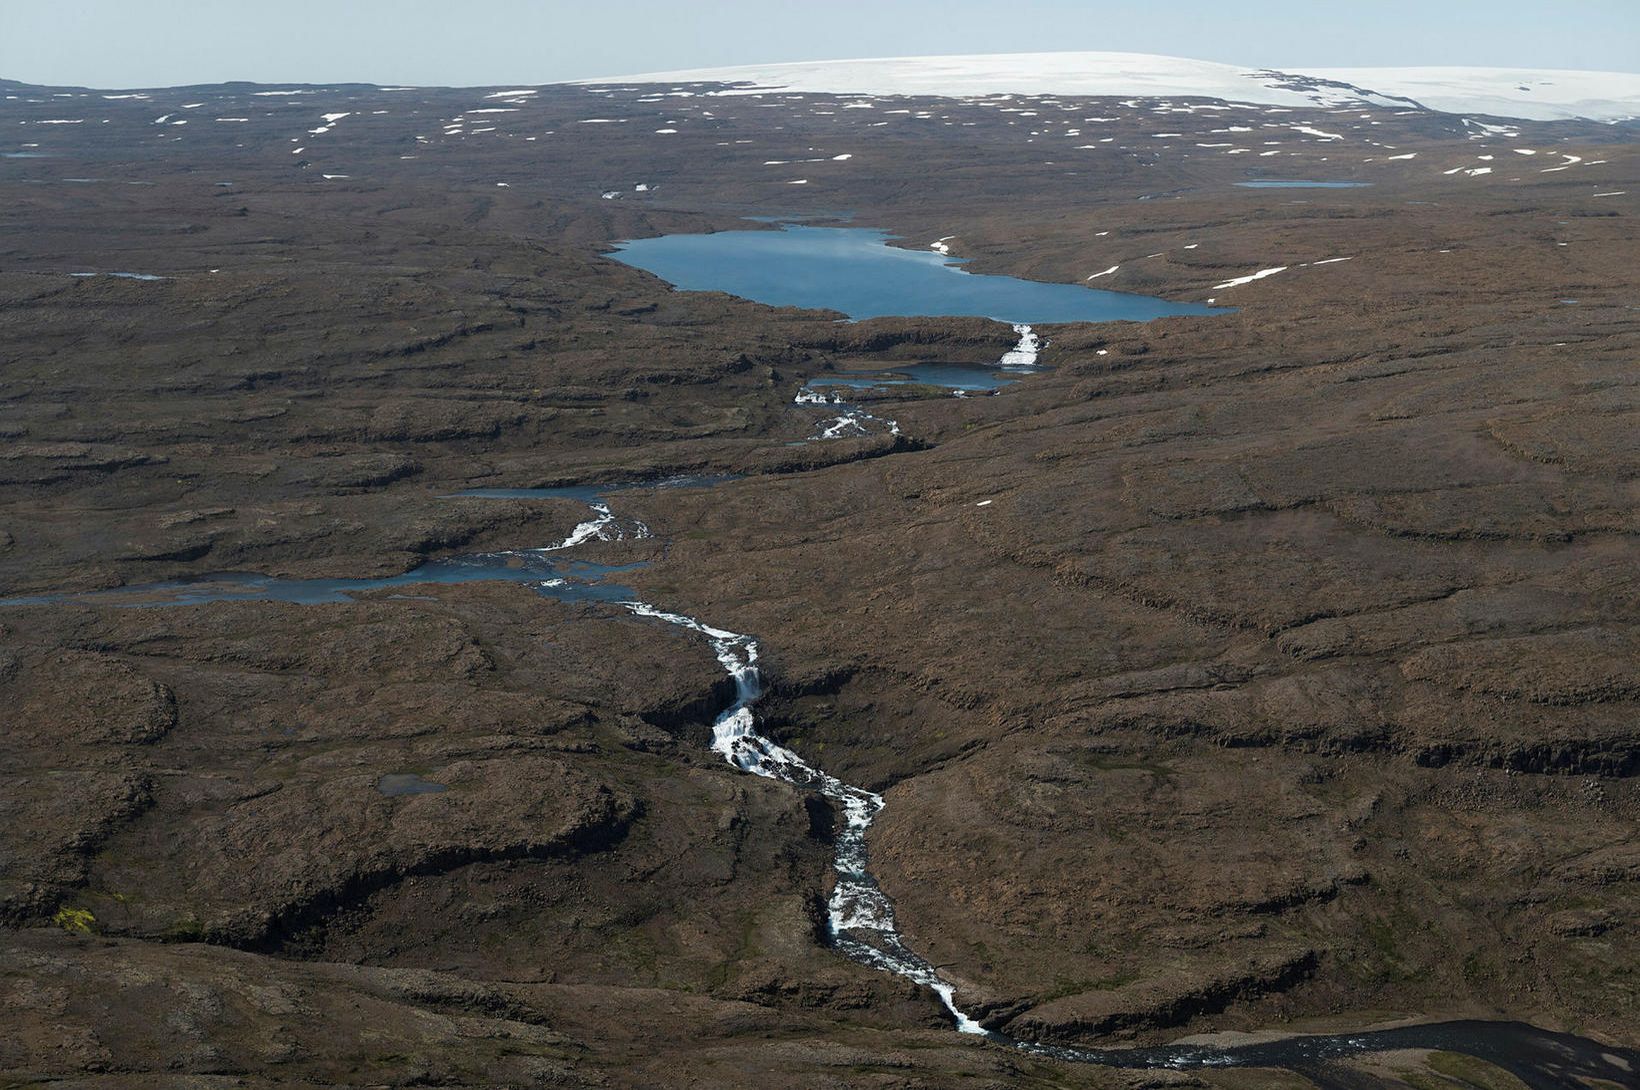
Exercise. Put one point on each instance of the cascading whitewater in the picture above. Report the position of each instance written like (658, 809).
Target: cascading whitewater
(603, 526)
(1022, 356)
(856, 904)
(851, 421)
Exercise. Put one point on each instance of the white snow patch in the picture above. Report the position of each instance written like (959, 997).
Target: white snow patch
(1540, 94)
(1537, 94)
(1088, 73)
(1240, 280)
(1107, 272)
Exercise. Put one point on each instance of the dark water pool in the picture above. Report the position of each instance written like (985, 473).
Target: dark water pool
(407, 783)
(1541, 1059)
(855, 271)
(951, 376)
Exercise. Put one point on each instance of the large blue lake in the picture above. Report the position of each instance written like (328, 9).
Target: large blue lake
(855, 271)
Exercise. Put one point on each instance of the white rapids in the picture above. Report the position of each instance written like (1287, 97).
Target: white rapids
(1023, 355)
(851, 420)
(603, 526)
(857, 906)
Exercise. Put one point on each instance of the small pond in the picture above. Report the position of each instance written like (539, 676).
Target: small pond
(949, 376)
(407, 783)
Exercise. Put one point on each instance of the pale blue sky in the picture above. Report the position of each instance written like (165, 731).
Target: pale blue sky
(131, 43)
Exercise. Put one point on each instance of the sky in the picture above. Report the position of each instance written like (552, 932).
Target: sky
(151, 43)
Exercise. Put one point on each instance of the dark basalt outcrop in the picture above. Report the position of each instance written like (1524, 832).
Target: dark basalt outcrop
(1160, 1001)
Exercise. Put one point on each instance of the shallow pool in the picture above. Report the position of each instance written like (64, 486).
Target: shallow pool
(949, 376)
